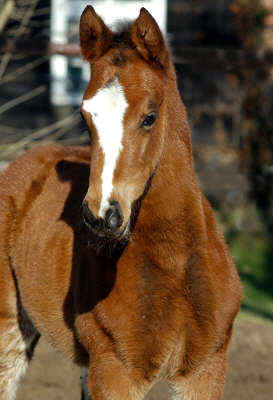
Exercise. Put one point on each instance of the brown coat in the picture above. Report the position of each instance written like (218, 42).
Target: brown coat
(162, 307)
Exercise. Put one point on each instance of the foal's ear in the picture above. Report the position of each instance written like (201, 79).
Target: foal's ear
(148, 39)
(95, 36)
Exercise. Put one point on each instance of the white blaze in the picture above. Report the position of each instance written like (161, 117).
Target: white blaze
(107, 108)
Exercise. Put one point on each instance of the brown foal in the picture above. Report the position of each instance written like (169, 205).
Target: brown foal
(111, 251)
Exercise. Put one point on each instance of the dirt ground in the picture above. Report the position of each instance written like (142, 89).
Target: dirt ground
(250, 375)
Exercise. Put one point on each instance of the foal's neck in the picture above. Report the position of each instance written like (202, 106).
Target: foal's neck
(172, 211)
(174, 185)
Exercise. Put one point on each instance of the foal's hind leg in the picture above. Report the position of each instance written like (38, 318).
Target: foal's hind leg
(13, 358)
(16, 348)
(17, 335)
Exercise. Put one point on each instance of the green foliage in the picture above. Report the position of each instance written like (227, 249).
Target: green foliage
(252, 253)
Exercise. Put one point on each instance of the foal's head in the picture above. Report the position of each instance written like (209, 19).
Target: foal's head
(123, 107)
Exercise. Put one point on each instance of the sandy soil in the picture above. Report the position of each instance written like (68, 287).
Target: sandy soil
(250, 375)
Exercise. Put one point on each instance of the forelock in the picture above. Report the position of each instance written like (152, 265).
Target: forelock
(122, 33)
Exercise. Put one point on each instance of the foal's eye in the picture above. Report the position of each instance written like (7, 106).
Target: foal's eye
(149, 119)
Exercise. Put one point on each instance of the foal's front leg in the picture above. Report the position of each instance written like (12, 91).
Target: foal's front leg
(206, 383)
(108, 377)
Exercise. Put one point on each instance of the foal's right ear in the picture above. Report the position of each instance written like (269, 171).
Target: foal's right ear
(95, 36)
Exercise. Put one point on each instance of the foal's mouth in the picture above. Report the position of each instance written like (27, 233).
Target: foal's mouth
(101, 230)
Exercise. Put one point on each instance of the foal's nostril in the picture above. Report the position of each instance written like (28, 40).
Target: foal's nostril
(88, 216)
(112, 221)
(113, 216)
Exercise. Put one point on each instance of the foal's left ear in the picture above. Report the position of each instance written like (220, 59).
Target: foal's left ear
(148, 39)
(95, 36)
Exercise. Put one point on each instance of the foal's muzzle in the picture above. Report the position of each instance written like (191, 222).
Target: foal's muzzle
(106, 226)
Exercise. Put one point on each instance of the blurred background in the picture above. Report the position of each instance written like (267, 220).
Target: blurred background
(223, 53)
